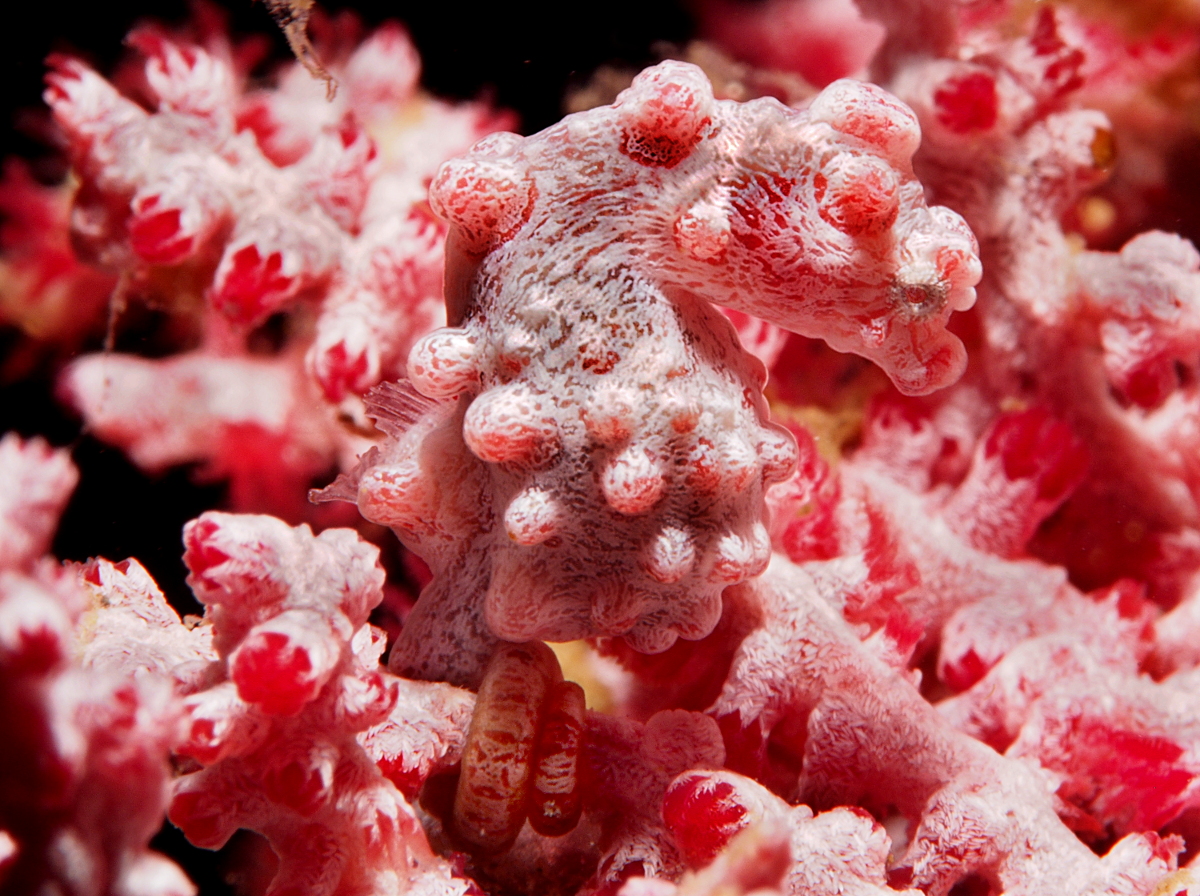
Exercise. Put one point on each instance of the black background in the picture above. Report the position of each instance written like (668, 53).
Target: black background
(526, 52)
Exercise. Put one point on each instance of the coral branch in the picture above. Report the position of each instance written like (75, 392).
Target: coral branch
(278, 736)
(82, 747)
(867, 736)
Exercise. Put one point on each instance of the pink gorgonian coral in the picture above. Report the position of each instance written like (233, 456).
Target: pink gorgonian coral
(83, 745)
(224, 204)
(275, 730)
(920, 621)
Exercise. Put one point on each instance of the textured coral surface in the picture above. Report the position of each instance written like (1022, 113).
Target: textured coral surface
(778, 476)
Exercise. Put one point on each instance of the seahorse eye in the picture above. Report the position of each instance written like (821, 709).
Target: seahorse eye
(919, 299)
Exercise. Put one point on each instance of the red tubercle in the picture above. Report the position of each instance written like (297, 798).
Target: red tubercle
(489, 205)
(655, 150)
(955, 265)
(518, 444)
(274, 673)
(870, 114)
(860, 209)
(665, 130)
(967, 103)
(497, 430)
(297, 785)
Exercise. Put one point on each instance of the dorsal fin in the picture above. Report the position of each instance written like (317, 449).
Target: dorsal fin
(395, 406)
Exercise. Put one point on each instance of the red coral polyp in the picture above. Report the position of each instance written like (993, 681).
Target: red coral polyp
(274, 673)
(156, 236)
(1033, 445)
(251, 286)
(703, 815)
(967, 103)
